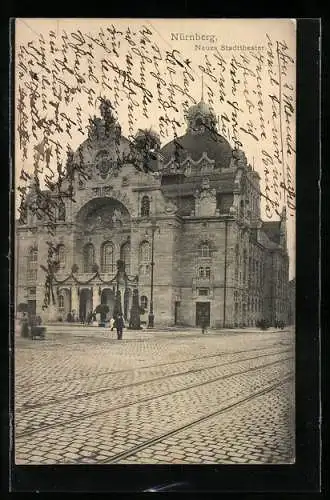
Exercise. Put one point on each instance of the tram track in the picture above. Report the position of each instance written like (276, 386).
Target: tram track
(148, 443)
(78, 419)
(128, 370)
(27, 406)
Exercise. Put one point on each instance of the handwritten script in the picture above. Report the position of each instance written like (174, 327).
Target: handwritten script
(63, 76)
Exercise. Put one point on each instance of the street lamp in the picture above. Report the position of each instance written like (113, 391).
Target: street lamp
(151, 317)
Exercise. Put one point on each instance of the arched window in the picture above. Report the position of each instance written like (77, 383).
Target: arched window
(204, 250)
(61, 302)
(125, 255)
(61, 255)
(89, 256)
(32, 264)
(61, 211)
(145, 254)
(144, 302)
(201, 272)
(144, 257)
(145, 207)
(208, 272)
(107, 258)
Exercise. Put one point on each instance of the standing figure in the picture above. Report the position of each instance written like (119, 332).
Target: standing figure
(89, 317)
(119, 326)
(25, 326)
(111, 323)
(204, 324)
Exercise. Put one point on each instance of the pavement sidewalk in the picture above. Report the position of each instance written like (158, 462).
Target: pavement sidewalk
(77, 330)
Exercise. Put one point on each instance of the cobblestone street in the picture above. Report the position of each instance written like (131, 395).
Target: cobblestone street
(165, 396)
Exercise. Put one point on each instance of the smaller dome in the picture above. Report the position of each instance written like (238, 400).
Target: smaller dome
(201, 108)
(199, 117)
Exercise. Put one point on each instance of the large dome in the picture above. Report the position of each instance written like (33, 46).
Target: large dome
(194, 145)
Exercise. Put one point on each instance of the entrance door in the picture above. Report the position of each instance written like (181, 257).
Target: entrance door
(108, 298)
(176, 312)
(202, 312)
(32, 307)
(85, 304)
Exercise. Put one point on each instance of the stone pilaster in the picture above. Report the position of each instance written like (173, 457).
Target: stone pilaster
(74, 300)
(96, 297)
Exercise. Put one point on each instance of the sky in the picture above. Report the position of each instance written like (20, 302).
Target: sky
(222, 63)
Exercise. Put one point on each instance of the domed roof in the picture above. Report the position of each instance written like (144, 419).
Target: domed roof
(201, 108)
(201, 137)
(194, 145)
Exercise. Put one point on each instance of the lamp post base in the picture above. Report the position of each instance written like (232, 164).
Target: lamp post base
(151, 319)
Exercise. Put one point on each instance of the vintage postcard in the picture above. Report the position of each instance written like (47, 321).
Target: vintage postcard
(155, 241)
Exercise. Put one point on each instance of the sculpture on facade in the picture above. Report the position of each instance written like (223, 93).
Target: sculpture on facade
(170, 207)
(205, 199)
(239, 158)
(106, 127)
(105, 218)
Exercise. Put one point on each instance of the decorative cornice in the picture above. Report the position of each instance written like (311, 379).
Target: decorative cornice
(189, 160)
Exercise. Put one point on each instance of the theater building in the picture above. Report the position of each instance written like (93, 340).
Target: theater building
(194, 218)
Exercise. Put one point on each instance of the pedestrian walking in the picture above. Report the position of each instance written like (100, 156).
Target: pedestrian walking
(112, 324)
(89, 317)
(119, 326)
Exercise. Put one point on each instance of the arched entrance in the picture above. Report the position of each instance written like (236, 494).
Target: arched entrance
(103, 214)
(108, 298)
(85, 303)
(102, 236)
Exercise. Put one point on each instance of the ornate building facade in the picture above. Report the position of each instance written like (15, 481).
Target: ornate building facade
(188, 231)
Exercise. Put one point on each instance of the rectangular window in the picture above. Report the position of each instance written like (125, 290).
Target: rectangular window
(32, 274)
(203, 292)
